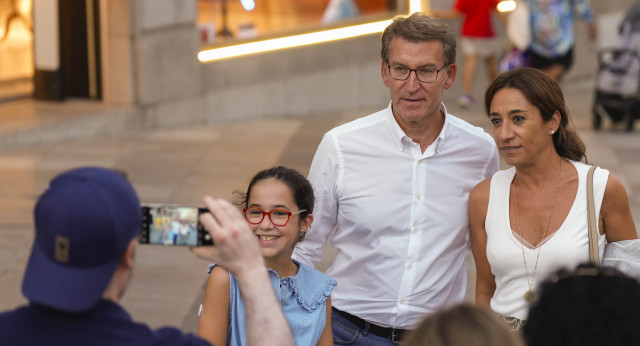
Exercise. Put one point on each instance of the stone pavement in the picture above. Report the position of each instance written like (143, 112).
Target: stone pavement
(180, 165)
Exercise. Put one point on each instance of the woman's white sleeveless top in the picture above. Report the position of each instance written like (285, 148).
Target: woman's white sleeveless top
(565, 248)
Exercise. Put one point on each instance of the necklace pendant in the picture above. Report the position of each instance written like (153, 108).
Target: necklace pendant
(529, 296)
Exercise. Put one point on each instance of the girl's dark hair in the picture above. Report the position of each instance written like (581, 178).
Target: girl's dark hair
(299, 185)
(545, 94)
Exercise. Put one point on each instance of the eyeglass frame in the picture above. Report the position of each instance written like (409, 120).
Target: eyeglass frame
(289, 214)
(415, 71)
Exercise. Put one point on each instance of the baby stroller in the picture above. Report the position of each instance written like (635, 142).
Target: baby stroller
(617, 93)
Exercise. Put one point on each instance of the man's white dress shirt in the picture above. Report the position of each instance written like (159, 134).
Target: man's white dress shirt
(401, 215)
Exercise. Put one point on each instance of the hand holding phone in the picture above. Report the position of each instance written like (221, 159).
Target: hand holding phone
(237, 248)
(173, 225)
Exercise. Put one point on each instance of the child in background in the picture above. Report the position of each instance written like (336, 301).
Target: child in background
(278, 205)
(478, 40)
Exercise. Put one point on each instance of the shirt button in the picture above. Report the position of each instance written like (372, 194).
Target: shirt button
(415, 230)
(418, 196)
(401, 301)
(409, 266)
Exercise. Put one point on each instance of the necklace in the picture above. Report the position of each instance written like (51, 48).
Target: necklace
(529, 296)
(287, 276)
(289, 270)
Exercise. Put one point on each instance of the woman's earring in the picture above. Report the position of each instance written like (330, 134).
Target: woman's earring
(552, 132)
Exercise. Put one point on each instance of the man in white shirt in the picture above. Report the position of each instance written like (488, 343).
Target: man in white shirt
(394, 185)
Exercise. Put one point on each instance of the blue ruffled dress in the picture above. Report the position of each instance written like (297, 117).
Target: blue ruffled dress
(303, 298)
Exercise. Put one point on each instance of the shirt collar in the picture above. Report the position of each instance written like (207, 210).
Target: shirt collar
(398, 134)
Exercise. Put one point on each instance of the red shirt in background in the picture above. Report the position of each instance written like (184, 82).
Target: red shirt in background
(477, 17)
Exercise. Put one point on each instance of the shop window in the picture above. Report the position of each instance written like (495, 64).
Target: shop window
(16, 49)
(222, 21)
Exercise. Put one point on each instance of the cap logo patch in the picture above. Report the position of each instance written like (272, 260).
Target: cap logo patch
(61, 251)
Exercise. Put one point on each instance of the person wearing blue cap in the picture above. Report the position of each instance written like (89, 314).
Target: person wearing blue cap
(86, 227)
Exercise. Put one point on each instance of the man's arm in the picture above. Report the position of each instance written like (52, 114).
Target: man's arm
(584, 11)
(322, 176)
(236, 249)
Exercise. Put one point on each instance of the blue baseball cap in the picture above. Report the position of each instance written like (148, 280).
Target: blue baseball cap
(84, 222)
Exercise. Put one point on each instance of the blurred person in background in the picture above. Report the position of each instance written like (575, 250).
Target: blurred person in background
(552, 33)
(463, 325)
(478, 40)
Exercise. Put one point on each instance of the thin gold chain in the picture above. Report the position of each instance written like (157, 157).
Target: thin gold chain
(546, 227)
(288, 276)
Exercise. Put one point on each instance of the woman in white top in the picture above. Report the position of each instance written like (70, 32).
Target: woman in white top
(530, 220)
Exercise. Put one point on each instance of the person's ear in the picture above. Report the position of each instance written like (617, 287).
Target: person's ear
(127, 258)
(450, 75)
(306, 223)
(554, 122)
(385, 73)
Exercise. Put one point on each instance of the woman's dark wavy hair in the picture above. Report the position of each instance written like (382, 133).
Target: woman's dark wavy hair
(588, 306)
(546, 95)
(300, 187)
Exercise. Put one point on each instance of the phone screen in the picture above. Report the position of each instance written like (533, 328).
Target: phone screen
(172, 225)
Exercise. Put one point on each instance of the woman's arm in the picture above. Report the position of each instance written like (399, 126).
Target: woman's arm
(485, 281)
(214, 321)
(326, 339)
(616, 220)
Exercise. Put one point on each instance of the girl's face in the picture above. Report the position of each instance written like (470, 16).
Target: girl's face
(276, 241)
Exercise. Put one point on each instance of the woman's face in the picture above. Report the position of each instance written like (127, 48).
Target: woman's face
(519, 131)
(276, 241)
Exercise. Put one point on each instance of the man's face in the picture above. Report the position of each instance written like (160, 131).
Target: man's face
(415, 102)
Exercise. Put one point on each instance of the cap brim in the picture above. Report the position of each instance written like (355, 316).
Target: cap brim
(64, 288)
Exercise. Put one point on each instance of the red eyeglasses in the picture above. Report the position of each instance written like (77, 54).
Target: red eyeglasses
(278, 217)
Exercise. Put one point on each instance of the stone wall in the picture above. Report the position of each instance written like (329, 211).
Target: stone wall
(337, 76)
(152, 64)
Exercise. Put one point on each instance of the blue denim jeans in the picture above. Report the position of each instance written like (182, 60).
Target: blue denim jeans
(346, 333)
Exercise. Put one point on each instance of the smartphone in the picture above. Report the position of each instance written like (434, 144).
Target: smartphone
(173, 225)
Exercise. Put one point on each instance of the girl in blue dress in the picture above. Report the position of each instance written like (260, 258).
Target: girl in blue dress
(278, 205)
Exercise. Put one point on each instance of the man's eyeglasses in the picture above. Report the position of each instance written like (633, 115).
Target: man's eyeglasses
(424, 74)
(278, 217)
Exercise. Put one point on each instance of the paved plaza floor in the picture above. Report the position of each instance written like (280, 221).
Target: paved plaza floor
(180, 165)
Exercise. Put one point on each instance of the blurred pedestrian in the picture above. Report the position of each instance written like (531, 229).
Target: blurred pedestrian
(552, 33)
(478, 40)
